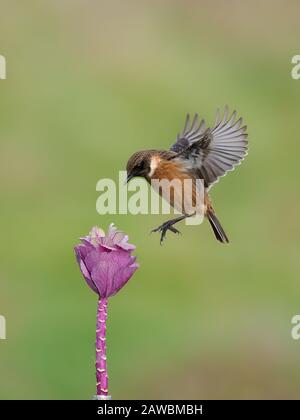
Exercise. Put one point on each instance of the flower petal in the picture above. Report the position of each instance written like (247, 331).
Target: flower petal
(107, 243)
(126, 246)
(92, 259)
(122, 277)
(111, 230)
(103, 275)
(84, 269)
(87, 242)
(81, 251)
(87, 277)
(96, 235)
(118, 236)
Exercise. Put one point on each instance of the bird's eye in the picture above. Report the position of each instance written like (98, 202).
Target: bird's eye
(141, 165)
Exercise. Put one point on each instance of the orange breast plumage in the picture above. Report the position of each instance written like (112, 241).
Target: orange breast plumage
(176, 186)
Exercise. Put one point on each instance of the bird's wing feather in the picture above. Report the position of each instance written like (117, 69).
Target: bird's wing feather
(191, 133)
(212, 152)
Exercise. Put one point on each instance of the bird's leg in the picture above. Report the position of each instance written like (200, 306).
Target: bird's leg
(168, 225)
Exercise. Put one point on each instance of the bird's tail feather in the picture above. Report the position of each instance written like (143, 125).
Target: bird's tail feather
(217, 228)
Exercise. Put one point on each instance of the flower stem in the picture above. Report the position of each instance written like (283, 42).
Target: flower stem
(101, 367)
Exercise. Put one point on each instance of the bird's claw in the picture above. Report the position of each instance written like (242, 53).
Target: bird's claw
(163, 229)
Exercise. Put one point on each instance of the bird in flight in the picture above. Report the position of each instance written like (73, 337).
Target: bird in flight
(198, 153)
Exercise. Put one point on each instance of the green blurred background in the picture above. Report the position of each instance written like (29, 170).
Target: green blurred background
(90, 82)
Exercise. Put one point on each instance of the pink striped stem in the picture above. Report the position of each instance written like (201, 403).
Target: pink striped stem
(101, 367)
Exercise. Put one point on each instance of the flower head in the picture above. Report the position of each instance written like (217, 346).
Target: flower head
(105, 260)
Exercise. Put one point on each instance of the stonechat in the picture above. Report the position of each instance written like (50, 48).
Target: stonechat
(198, 153)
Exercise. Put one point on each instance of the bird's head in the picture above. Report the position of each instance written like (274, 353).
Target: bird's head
(139, 164)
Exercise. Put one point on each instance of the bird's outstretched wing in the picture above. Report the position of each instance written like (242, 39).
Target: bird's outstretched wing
(212, 152)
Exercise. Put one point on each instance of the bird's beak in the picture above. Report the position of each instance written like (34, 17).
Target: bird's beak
(129, 177)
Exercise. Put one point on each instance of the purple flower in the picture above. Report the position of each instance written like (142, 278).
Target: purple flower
(106, 264)
(105, 260)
